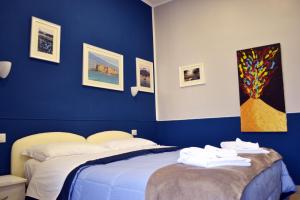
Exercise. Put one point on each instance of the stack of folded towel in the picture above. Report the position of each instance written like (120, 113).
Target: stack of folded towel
(243, 147)
(211, 157)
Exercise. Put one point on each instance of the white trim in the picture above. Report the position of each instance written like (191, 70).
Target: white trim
(167, 119)
(153, 5)
(197, 118)
(155, 67)
(147, 2)
(161, 3)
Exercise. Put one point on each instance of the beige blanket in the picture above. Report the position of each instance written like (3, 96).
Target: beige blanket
(184, 182)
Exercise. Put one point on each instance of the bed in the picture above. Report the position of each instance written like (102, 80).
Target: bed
(124, 173)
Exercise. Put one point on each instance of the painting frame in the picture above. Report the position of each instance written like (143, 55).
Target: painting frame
(45, 40)
(261, 89)
(148, 84)
(89, 50)
(200, 76)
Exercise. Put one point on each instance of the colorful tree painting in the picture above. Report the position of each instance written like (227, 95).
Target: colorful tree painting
(261, 89)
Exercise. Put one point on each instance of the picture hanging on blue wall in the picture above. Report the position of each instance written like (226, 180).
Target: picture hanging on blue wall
(45, 40)
(144, 75)
(102, 68)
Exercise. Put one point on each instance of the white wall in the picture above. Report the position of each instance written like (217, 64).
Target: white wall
(211, 31)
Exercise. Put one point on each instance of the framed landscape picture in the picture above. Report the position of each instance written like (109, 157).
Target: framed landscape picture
(45, 40)
(144, 75)
(102, 68)
(191, 75)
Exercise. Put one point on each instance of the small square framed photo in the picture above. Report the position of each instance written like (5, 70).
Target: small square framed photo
(102, 68)
(45, 40)
(144, 75)
(191, 75)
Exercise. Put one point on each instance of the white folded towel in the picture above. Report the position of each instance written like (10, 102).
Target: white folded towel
(243, 147)
(246, 145)
(211, 157)
(253, 151)
(222, 153)
(196, 152)
(239, 161)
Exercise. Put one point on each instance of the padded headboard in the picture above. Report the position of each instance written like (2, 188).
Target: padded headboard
(18, 160)
(105, 136)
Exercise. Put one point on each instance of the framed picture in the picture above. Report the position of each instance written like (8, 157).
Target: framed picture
(102, 68)
(144, 75)
(191, 75)
(45, 40)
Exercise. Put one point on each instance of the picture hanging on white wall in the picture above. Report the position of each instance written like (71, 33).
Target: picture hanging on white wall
(191, 75)
(45, 40)
(144, 75)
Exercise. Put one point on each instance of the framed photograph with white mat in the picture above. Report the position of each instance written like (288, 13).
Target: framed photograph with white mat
(45, 40)
(144, 75)
(102, 68)
(191, 75)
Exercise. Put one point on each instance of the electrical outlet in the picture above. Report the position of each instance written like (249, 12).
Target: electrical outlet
(2, 137)
(134, 132)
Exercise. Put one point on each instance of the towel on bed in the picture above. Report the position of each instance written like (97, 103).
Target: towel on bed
(211, 157)
(243, 147)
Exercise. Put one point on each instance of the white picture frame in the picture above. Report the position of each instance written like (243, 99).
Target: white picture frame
(102, 68)
(45, 40)
(144, 75)
(191, 75)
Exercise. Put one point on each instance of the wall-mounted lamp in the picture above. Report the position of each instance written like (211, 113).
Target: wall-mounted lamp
(5, 67)
(134, 91)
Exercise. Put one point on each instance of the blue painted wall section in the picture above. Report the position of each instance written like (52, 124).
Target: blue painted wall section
(43, 96)
(212, 131)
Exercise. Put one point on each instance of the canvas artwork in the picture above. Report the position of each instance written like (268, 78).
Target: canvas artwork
(102, 68)
(191, 75)
(262, 102)
(45, 40)
(144, 75)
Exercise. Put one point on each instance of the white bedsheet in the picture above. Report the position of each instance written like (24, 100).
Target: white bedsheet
(49, 176)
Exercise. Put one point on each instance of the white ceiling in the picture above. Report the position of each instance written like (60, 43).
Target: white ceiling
(155, 3)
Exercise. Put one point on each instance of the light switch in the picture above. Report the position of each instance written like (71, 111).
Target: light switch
(134, 132)
(2, 137)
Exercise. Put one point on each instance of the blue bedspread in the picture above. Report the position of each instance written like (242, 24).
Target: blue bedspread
(68, 187)
(127, 179)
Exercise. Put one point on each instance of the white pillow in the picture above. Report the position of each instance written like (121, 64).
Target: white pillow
(46, 151)
(128, 143)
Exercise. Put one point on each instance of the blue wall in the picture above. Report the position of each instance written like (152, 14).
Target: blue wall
(212, 131)
(41, 96)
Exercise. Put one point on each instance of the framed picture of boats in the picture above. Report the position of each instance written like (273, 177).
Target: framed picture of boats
(144, 75)
(191, 75)
(102, 68)
(45, 40)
